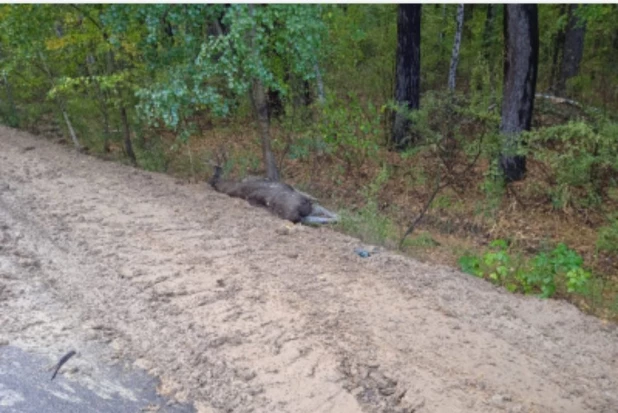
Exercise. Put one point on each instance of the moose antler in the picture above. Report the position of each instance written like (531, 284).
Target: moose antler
(218, 158)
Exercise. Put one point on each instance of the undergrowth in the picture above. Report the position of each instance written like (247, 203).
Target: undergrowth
(559, 270)
(368, 223)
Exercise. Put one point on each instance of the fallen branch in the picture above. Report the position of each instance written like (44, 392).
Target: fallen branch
(559, 100)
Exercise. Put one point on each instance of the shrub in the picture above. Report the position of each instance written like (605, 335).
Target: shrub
(607, 239)
(562, 268)
(368, 223)
(581, 158)
(350, 130)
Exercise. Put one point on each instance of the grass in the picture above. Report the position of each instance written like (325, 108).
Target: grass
(369, 225)
(424, 240)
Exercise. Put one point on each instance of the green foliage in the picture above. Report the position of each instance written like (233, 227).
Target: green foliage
(561, 262)
(257, 39)
(607, 239)
(493, 188)
(543, 274)
(443, 126)
(350, 130)
(372, 190)
(303, 146)
(359, 50)
(582, 159)
(152, 157)
(599, 64)
(368, 222)
(471, 264)
(243, 165)
(422, 240)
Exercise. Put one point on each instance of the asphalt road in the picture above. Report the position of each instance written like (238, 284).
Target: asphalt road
(26, 387)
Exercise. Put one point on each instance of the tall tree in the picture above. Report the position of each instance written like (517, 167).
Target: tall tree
(456, 45)
(573, 51)
(61, 101)
(106, 70)
(35, 48)
(260, 104)
(216, 72)
(557, 48)
(407, 71)
(521, 35)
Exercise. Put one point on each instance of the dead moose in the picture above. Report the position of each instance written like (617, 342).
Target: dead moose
(279, 198)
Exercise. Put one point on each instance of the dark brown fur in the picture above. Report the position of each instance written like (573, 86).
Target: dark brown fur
(279, 198)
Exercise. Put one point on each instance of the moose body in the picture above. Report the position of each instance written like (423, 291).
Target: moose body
(279, 198)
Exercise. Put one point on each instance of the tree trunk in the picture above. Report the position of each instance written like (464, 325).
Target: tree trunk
(408, 70)
(467, 20)
(275, 104)
(302, 96)
(521, 34)
(260, 105)
(488, 39)
(106, 130)
(456, 45)
(128, 146)
(261, 109)
(102, 103)
(62, 105)
(558, 46)
(71, 131)
(573, 49)
(470, 13)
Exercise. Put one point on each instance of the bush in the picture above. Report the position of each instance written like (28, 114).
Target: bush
(368, 223)
(562, 268)
(582, 160)
(607, 239)
(350, 130)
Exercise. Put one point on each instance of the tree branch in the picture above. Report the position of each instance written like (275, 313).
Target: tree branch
(557, 99)
(423, 211)
(86, 15)
(438, 188)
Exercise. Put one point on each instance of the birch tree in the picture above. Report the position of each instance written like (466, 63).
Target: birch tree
(456, 45)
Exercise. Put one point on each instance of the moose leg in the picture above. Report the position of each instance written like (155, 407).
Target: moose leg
(320, 215)
(319, 210)
(313, 220)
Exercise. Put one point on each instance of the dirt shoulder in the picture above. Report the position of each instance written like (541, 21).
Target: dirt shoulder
(235, 312)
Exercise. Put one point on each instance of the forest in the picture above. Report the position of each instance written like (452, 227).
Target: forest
(484, 137)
